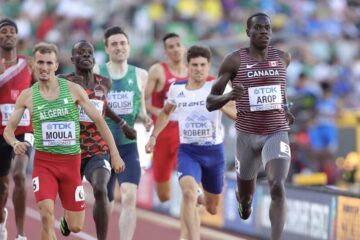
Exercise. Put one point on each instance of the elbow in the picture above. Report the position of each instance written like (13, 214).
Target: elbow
(209, 107)
(6, 133)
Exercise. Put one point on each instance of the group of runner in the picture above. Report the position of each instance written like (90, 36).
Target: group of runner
(72, 140)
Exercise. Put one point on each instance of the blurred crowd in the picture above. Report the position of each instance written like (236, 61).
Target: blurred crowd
(321, 35)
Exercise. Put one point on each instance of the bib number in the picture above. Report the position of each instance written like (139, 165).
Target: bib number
(197, 131)
(265, 98)
(98, 104)
(58, 133)
(121, 102)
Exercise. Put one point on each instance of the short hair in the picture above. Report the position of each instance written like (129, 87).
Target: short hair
(80, 42)
(248, 22)
(44, 47)
(113, 31)
(8, 22)
(169, 35)
(198, 51)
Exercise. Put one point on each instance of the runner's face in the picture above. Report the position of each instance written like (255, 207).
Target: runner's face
(260, 32)
(174, 49)
(45, 65)
(8, 37)
(118, 48)
(83, 57)
(198, 69)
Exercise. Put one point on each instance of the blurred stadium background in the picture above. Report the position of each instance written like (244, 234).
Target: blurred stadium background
(323, 38)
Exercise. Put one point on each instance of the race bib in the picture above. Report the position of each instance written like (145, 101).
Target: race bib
(265, 98)
(198, 131)
(36, 184)
(98, 104)
(79, 194)
(58, 133)
(121, 102)
(8, 109)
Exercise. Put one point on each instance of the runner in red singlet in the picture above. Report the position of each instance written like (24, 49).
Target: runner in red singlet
(258, 77)
(15, 76)
(161, 76)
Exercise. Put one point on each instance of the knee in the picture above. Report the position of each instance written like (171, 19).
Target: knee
(75, 228)
(189, 196)
(163, 191)
(128, 199)
(47, 216)
(211, 208)
(47, 220)
(75, 224)
(164, 196)
(277, 189)
(100, 191)
(19, 178)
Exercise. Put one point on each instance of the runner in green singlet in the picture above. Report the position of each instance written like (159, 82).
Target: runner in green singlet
(126, 99)
(53, 103)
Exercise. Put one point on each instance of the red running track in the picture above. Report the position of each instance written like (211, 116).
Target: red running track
(150, 225)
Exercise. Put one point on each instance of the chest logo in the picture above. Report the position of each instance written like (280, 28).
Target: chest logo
(250, 65)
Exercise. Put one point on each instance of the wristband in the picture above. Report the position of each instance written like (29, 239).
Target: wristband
(122, 123)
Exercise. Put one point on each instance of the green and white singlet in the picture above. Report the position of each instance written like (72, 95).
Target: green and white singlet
(56, 122)
(124, 98)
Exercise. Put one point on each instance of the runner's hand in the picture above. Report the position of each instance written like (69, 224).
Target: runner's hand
(290, 117)
(20, 148)
(237, 92)
(149, 147)
(148, 123)
(117, 163)
(129, 132)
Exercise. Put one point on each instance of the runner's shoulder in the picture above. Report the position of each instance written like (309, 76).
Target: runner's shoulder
(285, 56)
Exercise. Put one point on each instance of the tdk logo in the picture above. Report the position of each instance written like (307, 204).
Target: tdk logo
(59, 126)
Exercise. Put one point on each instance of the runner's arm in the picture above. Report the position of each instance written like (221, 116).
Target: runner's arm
(9, 132)
(142, 80)
(161, 122)
(230, 110)
(227, 71)
(82, 99)
(163, 118)
(154, 75)
(286, 59)
(129, 132)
